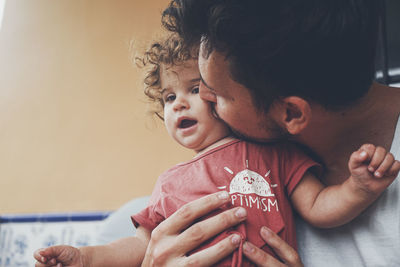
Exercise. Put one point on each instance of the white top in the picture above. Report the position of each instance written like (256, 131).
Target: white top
(372, 239)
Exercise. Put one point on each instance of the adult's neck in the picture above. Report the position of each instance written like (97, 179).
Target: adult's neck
(334, 135)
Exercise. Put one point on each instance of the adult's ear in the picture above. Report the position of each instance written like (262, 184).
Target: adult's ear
(295, 114)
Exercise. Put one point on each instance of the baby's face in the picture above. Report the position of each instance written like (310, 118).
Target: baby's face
(187, 117)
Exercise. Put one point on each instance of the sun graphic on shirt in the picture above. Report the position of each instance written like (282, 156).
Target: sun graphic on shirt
(249, 182)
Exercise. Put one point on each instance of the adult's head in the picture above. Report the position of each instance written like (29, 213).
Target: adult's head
(309, 51)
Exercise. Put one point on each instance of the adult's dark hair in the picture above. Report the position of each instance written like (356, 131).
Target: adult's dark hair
(321, 50)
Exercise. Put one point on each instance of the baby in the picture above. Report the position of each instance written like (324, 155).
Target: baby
(265, 179)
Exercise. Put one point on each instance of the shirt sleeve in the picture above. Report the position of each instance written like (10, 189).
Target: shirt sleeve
(295, 164)
(150, 216)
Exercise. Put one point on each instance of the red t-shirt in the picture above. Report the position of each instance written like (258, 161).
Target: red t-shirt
(258, 177)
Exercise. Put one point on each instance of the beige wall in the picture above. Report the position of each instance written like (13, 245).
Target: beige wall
(74, 133)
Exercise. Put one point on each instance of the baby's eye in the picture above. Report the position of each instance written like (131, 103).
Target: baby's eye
(169, 98)
(195, 90)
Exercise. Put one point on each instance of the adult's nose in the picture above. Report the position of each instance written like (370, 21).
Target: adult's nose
(206, 94)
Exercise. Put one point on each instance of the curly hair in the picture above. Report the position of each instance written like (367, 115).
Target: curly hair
(170, 51)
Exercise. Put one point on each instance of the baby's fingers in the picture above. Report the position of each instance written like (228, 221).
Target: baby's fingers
(383, 168)
(394, 169)
(49, 264)
(377, 159)
(39, 255)
(43, 261)
(44, 257)
(361, 156)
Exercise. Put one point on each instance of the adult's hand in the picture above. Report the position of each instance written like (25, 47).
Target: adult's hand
(288, 255)
(172, 240)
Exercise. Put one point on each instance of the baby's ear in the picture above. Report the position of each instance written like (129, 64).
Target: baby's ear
(295, 114)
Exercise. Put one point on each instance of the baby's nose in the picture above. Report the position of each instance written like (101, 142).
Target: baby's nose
(181, 103)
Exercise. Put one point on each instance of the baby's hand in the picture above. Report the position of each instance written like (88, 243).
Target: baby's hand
(373, 168)
(60, 256)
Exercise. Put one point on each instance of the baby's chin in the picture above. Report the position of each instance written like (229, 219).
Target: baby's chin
(198, 148)
(215, 142)
(192, 145)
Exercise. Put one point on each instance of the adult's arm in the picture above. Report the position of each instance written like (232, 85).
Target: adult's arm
(173, 239)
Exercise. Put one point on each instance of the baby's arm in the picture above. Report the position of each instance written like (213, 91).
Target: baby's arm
(372, 170)
(123, 252)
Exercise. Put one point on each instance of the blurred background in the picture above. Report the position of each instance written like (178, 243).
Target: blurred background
(75, 132)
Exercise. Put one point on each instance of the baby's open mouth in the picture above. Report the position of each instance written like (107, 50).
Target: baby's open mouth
(186, 123)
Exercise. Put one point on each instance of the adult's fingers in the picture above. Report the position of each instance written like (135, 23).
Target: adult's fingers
(188, 213)
(259, 256)
(211, 255)
(196, 234)
(286, 253)
(169, 246)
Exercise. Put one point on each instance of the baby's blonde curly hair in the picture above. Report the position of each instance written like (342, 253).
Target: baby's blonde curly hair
(170, 51)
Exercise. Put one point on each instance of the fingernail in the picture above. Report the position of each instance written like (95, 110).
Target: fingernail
(248, 248)
(363, 153)
(240, 213)
(236, 240)
(266, 232)
(223, 195)
(378, 174)
(370, 168)
(43, 259)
